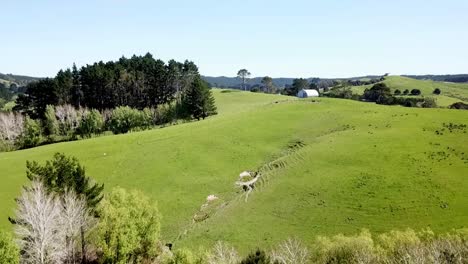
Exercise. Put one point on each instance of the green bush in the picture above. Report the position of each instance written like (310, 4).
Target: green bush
(257, 257)
(166, 113)
(91, 123)
(50, 123)
(429, 103)
(343, 249)
(376, 93)
(129, 227)
(9, 252)
(459, 105)
(32, 134)
(125, 119)
(415, 92)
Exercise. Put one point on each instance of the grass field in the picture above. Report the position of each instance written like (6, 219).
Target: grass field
(335, 166)
(451, 92)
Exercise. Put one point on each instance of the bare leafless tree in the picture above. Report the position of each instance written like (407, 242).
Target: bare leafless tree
(11, 126)
(76, 219)
(222, 253)
(68, 118)
(291, 251)
(38, 226)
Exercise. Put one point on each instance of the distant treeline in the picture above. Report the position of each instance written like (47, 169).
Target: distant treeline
(256, 83)
(457, 78)
(138, 82)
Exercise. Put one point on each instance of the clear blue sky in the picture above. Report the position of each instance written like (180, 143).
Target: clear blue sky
(327, 38)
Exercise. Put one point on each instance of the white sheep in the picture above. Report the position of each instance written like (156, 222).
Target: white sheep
(245, 174)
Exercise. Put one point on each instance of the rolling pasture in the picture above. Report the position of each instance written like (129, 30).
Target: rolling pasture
(328, 166)
(451, 92)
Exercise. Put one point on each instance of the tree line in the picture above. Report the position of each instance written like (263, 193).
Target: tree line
(137, 82)
(127, 95)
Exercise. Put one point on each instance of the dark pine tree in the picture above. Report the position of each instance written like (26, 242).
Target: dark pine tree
(198, 100)
(65, 173)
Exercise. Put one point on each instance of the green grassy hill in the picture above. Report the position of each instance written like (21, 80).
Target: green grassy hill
(451, 92)
(328, 166)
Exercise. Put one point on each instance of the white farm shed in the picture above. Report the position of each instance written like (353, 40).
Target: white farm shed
(305, 93)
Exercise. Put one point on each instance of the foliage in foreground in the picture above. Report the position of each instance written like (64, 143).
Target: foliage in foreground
(129, 227)
(389, 248)
(9, 252)
(48, 226)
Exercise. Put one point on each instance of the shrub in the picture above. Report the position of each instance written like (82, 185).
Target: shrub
(185, 256)
(257, 257)
(436, 91)
(342, 249)
(128, 231)
(401, 246)
(429, 103)
(459, 105)
(125, 119)
(375, 93)
(165, 113)
(92, 122)
(9, 252)
(397, 92)
(32, 135)
(406, 91)
(340, 92)
(51, 126)
(415, 92)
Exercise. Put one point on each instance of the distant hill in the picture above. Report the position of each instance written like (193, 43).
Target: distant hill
(457, 78)
(19, 80)
(451, 92)
(234, 82)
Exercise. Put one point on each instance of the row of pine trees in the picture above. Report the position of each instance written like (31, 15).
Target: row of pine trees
(138, 82)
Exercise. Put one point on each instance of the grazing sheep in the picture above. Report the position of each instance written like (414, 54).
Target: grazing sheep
(245, 174)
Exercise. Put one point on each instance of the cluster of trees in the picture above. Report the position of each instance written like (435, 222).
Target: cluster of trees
(65, 122)
(138, 82)
(297, 85)
(366, 82)
(130, 94)
(380, 93)
(63, 217)
(267, 84)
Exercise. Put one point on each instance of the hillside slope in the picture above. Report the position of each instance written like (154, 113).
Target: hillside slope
(451, 92)
(328, 166)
